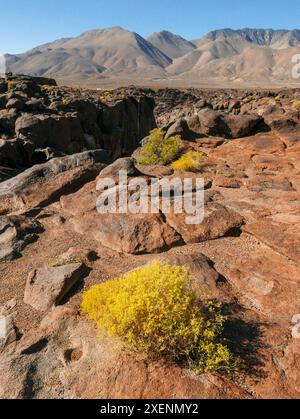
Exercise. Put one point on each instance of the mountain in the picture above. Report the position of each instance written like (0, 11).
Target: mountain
(277, 39)
(172, 45)
(256, 55)
(114, 51)
(225, 55)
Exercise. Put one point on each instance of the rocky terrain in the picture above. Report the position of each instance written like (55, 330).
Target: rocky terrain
(112, 56)
(56, 143)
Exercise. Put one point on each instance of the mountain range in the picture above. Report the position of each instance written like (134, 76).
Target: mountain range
(235, 56)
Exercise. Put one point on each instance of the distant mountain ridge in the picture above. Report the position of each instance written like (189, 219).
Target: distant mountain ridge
(262, 55)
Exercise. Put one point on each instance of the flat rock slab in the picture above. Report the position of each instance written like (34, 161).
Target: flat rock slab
(47, 287)
(283, 238)
(268, 283)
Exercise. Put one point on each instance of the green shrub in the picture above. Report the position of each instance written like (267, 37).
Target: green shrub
(160, 150)
(189, 162)
(155, 309)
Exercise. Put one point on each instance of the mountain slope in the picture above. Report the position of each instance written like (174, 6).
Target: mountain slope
(276, 39)
(113, 51)
(172, 45)
(260, 55)
(243, 55)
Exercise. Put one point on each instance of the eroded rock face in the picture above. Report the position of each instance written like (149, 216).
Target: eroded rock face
(125, 124)
(70, 121)
(65, 133)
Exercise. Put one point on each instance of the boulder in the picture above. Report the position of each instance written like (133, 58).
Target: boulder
(8, 119)
(128, 233)
(218, 221)
(123, 164)
(283, 238)
(63, 132)
(181, 128)
(35, 104)
(46, 287)
(15, 104)
(241, 125)
(58, 176)
(206, 278)
(213, 123)
(234, 105)
(227, 182)
(15, 235)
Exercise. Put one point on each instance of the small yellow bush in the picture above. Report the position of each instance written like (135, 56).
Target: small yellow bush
(160, 150)
(11, 84)
(155, 309)
(249, 99)
(296, 104)
(106, 95)
(189, 162)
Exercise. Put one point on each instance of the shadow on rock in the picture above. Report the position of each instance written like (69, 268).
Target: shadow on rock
(245, 340)
(77, 288)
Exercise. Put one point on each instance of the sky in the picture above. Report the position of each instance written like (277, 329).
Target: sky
(25, 25)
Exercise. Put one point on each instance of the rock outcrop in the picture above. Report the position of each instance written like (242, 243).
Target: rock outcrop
(244, 253)
(36, 115)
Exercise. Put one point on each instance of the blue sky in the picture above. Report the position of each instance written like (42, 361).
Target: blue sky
(34, 22)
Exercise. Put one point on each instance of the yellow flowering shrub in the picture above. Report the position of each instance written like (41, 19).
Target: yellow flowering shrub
(11, 84)
(296, 104)
(155, 309)
(160, 150)
(189, 162)
(106, 95)
(249, 99)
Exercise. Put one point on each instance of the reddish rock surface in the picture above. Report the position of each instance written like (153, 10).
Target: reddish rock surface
(245, 254)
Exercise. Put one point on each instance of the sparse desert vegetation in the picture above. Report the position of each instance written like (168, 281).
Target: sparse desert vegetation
(147, 304)
(158, 149)
(189, 162)
(156, 309)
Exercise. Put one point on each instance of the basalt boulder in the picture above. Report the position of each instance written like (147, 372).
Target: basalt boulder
(213, 123)
(62, 132)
